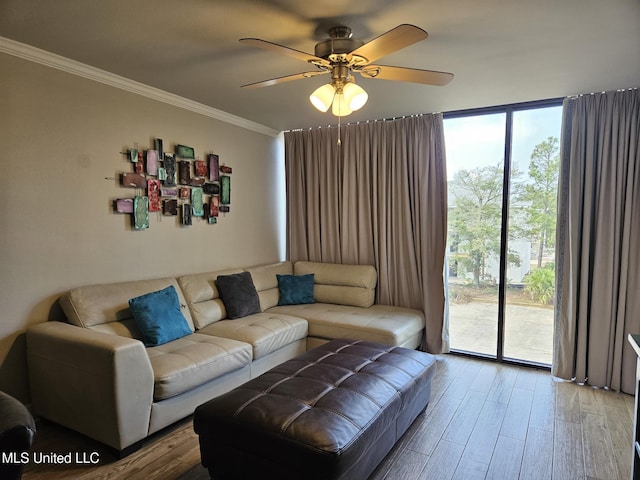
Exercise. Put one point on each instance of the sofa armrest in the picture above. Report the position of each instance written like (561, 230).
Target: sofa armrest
(95, 383)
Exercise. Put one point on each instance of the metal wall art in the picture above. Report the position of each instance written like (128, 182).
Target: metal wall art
(152, 162)
(179, 185)
(170, 170)
(214, 167)
(185, 152)
(225, 189)
(197, 202)
(140, 212)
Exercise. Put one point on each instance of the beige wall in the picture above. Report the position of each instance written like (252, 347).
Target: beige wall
(60, 143)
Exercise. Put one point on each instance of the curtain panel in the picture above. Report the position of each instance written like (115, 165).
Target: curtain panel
(598, 240)
(379, 198)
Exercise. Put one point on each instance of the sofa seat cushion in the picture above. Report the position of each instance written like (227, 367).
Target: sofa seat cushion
(188, 362)
(266, 332)
(378, 323)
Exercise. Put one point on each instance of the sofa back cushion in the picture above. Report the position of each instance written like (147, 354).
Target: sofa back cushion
(341, 284)
(202, 296)
(266, 282)
(105, 307)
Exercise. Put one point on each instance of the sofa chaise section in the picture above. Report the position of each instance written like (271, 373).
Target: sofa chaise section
(344, 308)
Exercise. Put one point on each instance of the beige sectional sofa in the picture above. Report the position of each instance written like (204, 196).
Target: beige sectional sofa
(94, 375)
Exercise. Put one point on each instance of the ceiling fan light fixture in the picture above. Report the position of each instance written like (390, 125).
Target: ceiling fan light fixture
(322, 97)
(355, 96)
(340, 106)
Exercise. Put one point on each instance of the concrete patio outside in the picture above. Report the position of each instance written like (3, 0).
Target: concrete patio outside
(528, 332)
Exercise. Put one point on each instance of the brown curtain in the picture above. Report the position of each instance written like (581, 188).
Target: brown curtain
(598, 240)
(378, 198)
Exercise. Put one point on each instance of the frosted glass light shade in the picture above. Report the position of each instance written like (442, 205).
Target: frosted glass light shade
(322, 97)
(340, 106)
(355, 96)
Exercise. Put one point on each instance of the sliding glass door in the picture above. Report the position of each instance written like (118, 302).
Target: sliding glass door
(475, 168)
(502, 166)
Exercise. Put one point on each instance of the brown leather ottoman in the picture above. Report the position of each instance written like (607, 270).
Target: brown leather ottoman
(333, 412)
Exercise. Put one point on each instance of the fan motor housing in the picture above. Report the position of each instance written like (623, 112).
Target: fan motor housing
(333, 46)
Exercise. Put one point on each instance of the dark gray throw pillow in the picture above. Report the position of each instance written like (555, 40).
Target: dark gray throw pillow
(239, 295)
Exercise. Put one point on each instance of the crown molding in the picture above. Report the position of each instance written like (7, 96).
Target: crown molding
(37, 55)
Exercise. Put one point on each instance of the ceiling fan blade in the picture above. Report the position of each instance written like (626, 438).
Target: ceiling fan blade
(400, 37)
(274, 47)
(428, 77)
(286, 78)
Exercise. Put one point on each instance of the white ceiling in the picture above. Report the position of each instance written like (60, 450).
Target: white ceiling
(501, 51)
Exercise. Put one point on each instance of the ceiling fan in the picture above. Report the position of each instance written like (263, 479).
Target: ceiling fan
(340, 55)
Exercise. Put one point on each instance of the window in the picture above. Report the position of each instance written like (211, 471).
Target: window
(502, 166)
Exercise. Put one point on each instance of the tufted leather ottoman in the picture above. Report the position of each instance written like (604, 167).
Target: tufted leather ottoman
(333, 412)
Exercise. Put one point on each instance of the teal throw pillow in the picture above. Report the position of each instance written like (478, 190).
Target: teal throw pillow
(295, 289)
(159, 317)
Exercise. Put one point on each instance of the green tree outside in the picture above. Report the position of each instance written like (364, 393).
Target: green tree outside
(475, 219)
(540, 196)
(475, 216)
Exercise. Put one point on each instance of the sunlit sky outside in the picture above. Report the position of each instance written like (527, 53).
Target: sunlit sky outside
(478, 141)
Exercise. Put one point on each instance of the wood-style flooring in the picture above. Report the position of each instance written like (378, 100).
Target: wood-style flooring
(484, 421)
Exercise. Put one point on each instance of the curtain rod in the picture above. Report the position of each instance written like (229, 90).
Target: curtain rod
(389, 119)
(578, 95)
